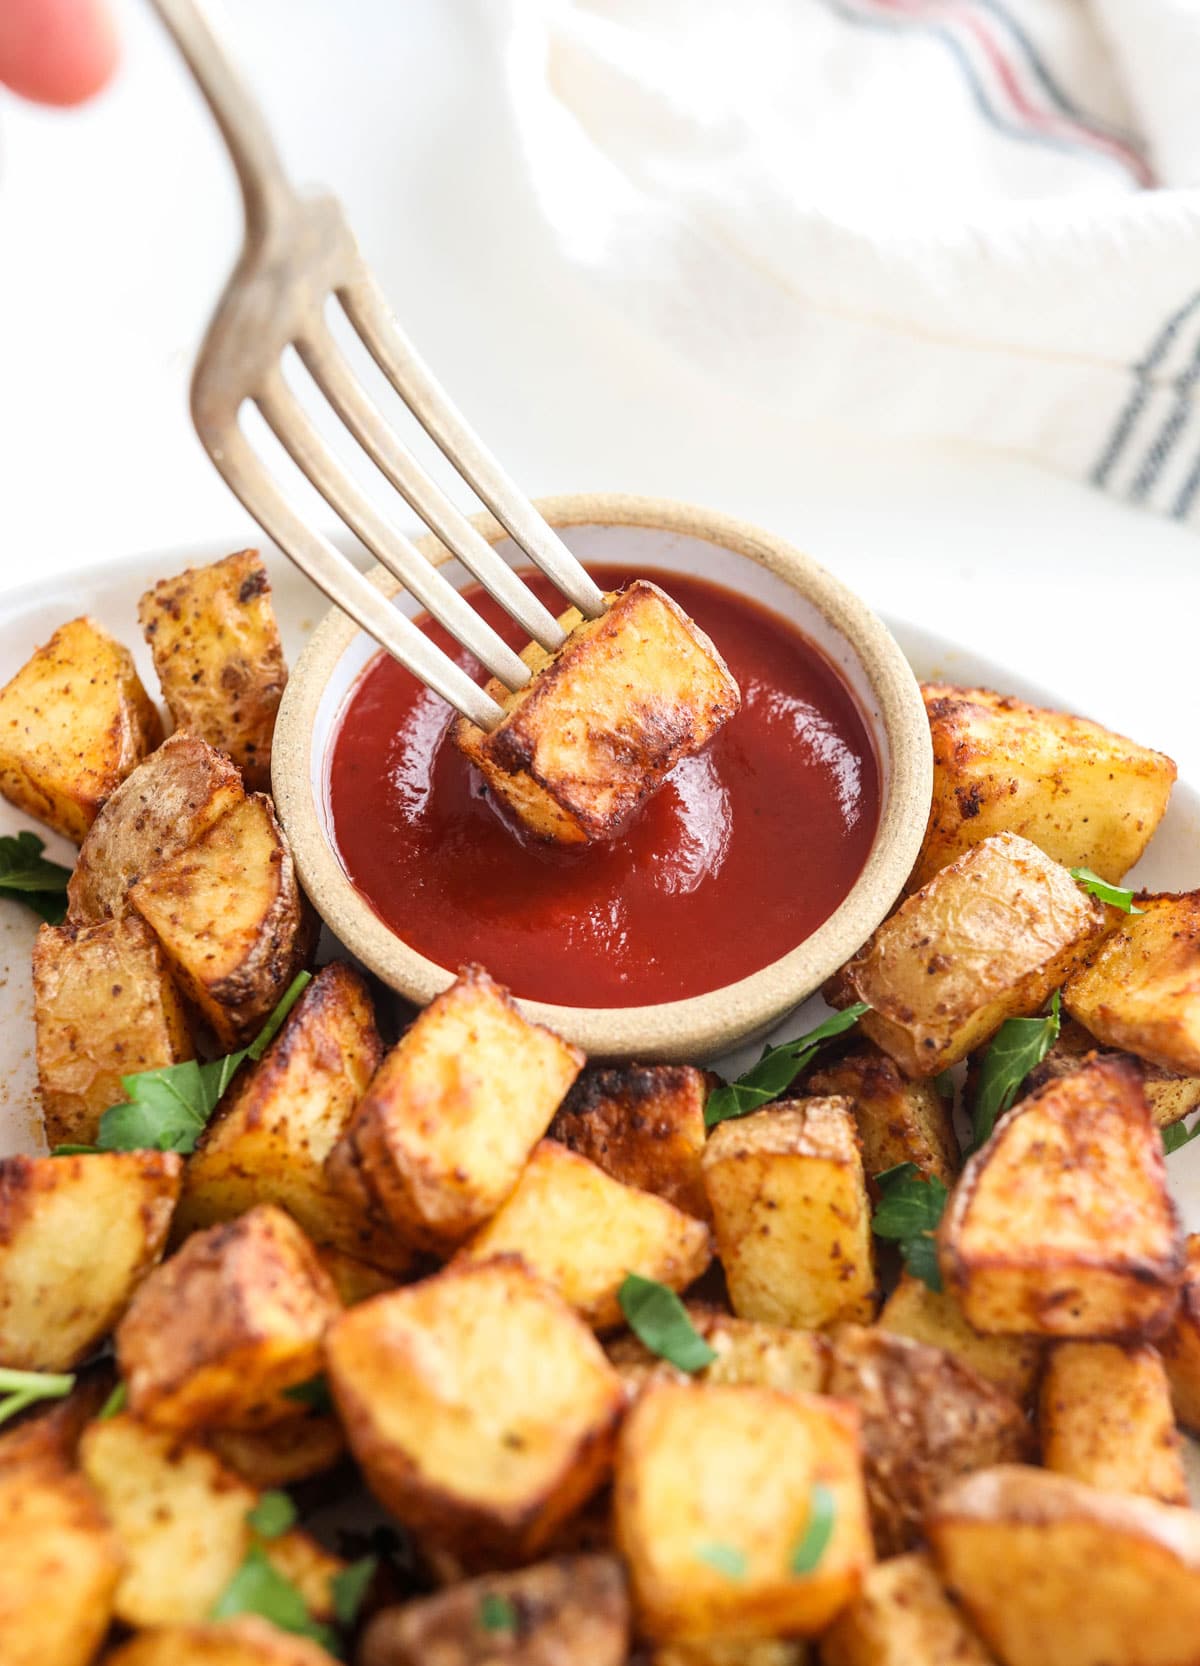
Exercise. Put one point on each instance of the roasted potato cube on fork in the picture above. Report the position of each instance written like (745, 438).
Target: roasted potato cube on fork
(903, 1617)
(104, 1007)
(1106, 1419)
(219, 1333)
(582, 1231)
(1062, 1224)
(445, 1128)
(988, 938)
(791, 1214)
(1140, 988)
(247, 1641)
(480, 1408)
(229, 913)
(605, 719)
(73, 722)
(219, 659)
(77, 1236)
(739, 1511)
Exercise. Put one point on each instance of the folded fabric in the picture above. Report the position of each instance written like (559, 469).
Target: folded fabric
(962, 218)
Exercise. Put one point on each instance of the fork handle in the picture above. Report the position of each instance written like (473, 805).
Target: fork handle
(266, 189)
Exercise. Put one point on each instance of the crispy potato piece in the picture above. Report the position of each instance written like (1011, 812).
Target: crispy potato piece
(733, 1651)
(105, 1007)
(247, 1641)
(792, 1218)
(582, 1231)
(605, 719)
(445, 1129)
(1010, 1363)
(925, 1419)
(216, 1334)
(708, 1473)
(763, 1356)
(283, 1454)
(1106, 1418)
(644, 1125)
(354, 1280)
(1170, 1096)
(456, 1433)
(902, 1617)
(219, 659)
(987, 939)
(73, 722)
(1086, 796)
(1140, 989)
(1049, 1569)
(898, 1121)
(233, 921)
(77, 1236)
(59, 1566)
(574, 1608)
(275, 1128)
(1062, 1224)
(168, 801)
(180, 1517)
(1180, 1346)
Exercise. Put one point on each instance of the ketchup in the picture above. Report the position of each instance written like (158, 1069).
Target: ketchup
(739, 857)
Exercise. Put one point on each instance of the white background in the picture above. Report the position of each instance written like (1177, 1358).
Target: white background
(118, 225)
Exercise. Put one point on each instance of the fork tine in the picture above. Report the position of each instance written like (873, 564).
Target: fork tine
(346, 587)
(367, 310)
(364, 419)
(291, 426)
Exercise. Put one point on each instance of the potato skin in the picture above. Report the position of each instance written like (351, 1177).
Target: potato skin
(1086, 796)
(246, 1641)
(282, 1454)
(73, 722)
(1170, 1096)
(104, 1007)
(569, 1610)
(902, 1617)
(1140, 989)
(219, 659)
(1106, 1418)
(1180, 1346)
(1010, 1363)
(898, 1121)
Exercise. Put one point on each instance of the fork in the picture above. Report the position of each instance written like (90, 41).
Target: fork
(298, 257)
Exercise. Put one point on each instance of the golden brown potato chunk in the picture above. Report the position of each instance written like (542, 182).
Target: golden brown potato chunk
(791, 1213)
(898, 1121)
(582, 1231)
(1180, 1346)
(716, 1491)
(1170, 1096)
(988, 938)
(77, 1236)
(1062, 1225)
(105, 1007)
(357, 1281)
(902, 1617)
(1140, 989)
(733, 1651)
(232, 919)
(279, 1122)
(219, 1332)
(1010, 1363)
(219, 659)
(604, 720)
(162, 807)
(644, 1125)
(59, 1566)
(925, 1419)
(73, 722)
(1087, 797)
(283, 1454)
(446, 1126)
(763, 1356)
(480, 1407)
(1051, 1570)
(574, 1608)
(1106, 1419)
(247, 1641)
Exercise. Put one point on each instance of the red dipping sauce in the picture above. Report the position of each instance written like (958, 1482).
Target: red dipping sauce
(739, 857)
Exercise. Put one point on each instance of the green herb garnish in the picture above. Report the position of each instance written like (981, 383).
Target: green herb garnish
(314, 1394)
(1116, 896)
(350, 1587)
(909, 1211)
(259, 1588)
(943, 1086)
(1179, 1135)
(272, 1515)
(21, 1389)
(776, 1070)
(114, 1405)
(657, 1317)
(27, 877)
(822, 1513)
(1020, 1044)
(497, 1613)
(727, 1559)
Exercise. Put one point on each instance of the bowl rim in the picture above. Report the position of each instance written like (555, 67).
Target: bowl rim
(700, 1026)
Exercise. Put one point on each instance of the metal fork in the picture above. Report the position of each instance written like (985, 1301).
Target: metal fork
(299, 255)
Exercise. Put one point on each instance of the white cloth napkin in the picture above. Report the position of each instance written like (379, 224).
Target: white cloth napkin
(962, 218)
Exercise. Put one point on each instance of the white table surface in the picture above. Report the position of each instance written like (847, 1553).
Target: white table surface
(118, 225)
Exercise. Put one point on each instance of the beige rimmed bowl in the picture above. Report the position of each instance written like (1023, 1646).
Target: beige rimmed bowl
(661, 537)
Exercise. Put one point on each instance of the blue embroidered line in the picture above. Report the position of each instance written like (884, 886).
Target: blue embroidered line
(1168, 435)
(1181, 508)
(1143, 370)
